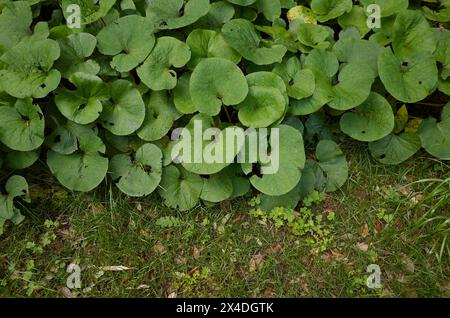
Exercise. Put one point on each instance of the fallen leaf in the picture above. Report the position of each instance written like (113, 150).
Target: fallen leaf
(417, 198)
(196, 252)
(172, 295)
(365, 231)
(256, 262)
(362, 246)
(192, 271)
(405, 191)
(378, 227)
(180, 260)
(268, 292)
(408, 178)
(145, 234)
(275, 249)
(139, 207)
(67, 293)
(143, 286)
(159, 248)
(114, 268)
(409, 265)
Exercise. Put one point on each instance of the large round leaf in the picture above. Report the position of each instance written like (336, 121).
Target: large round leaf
(175, 14)
(217, 188)
(326, 10)
(216, 82)
(129, 39)
(394, 149)
(84, 104)
(408, 80)
(180, 188)
(160, 114)
(125, 112)
(156, 71)
(332, 162)
(371, 121)
(22, 126)
(436, 136)
(289, 151)
(241, 35)
(75, 51)
(355, 82)
(83, 170)
(208, 43)
(139, 175)
(28, 68)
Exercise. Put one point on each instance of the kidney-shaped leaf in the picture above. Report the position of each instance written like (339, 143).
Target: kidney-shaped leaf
(180, 188)
(371, 121)
(84, 104)
(125, 112)
(83, 170)
(216, 82)
(408, 80)
(140, 174)
(22, 126)
(175, 14)
(241, 35)
(394, 149)
(129, 39)
(156, 71)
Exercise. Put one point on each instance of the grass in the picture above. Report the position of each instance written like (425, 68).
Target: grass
(396, 217)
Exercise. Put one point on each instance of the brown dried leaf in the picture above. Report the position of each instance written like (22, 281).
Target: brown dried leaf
(256, 262)
(365, 231)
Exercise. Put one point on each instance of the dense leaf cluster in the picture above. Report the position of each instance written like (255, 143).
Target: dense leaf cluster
(99, 102)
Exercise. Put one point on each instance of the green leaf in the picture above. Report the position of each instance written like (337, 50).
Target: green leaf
(371, 121)
(217, 188)
(241, 35)
(436, 136)
(332, 162)
(22, 126)
(91, 11)
(129, 39)
(355, 82)
(412, 35)
(208, 43)
(314, 36)
(156, 71)
(84, 104)
(175, 14)
(140, 174)
(409, 80)
(266, 101)
(15, 187)
(182, 95)
(395, 149)
(18, 160)
(291, 163)
(180, 188)
(388, 8)
(28, 68)
(86, 168)
(15, 21)
(216, 82)
(75, 51)
(160, 115)
(125, 112)
(326, 10)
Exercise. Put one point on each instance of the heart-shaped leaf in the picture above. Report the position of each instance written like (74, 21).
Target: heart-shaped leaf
(140, 174)
(156, 71)
(216, 82)
(371, 121)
